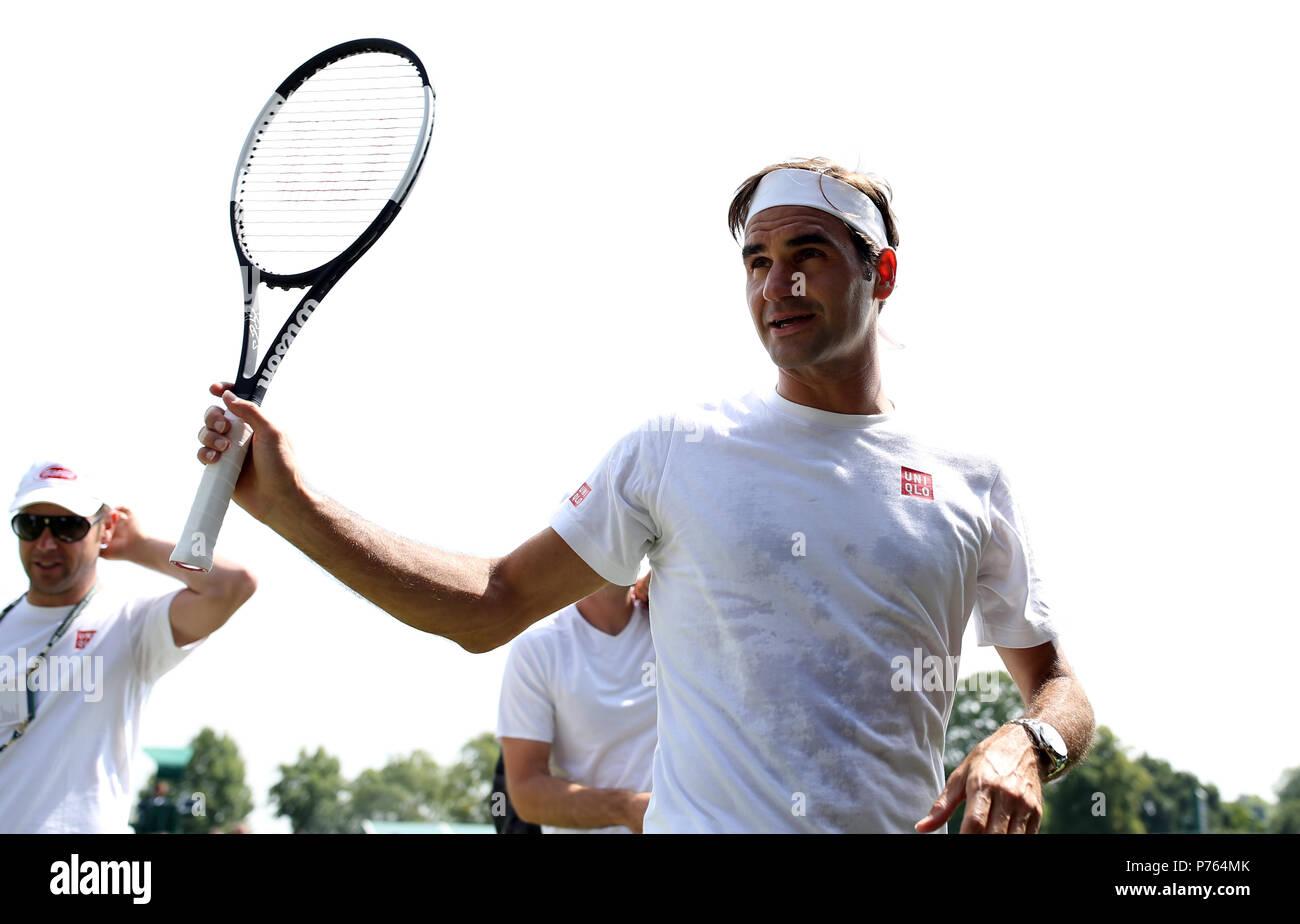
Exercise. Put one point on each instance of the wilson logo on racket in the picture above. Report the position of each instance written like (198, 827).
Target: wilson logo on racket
(917, 484)
(290, 334)
(580, 495)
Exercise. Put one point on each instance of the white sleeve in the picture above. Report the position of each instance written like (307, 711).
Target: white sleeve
(610, 520)
(1010, 610)
(155, 647)
(527, 709)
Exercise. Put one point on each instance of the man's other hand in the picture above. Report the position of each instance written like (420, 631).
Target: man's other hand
(1001, 783)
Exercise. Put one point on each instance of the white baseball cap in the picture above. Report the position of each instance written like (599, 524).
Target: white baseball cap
(53, 483)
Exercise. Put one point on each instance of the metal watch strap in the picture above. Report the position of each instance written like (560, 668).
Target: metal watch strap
(1055, 763)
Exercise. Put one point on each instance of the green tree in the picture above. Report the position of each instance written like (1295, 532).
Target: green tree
(466, 783)
(405, 789)
(311, 793)
(1286, 816)
(214, 777)
(1247, 815)
(1170, 803)
(1101, 795)
(416, 788)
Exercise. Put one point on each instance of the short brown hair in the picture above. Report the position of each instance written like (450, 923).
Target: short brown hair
(873, 187)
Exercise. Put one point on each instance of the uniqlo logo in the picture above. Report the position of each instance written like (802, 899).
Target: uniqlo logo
(580, 495)
(83, 637)
(917, 484)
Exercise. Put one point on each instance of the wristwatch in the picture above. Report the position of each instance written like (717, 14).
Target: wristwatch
(1049, 743)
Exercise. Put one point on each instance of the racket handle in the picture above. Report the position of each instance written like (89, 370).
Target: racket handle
(194, 551)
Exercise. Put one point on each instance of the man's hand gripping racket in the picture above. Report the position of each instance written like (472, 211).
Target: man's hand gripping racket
(323, 173)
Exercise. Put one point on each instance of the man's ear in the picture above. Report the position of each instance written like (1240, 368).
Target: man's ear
(106, 526)
(886, 274)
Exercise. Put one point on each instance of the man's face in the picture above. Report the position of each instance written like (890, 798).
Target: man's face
(59, 569)
(807, 290)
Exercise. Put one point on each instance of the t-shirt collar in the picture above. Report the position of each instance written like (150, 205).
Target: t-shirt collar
(815, 415)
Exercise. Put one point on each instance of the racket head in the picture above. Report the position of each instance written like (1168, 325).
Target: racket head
(332, 154)
(324, 170)
(315, 186)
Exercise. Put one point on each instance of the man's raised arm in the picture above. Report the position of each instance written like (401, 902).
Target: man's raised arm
(479, 603)
(209, 599)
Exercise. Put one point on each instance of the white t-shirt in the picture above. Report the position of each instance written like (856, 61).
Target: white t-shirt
(798, 555)
(588, 693)
(70, 772)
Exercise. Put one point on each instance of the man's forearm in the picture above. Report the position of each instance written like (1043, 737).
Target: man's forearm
(548, 800)
(440, 592)
(1061, 703)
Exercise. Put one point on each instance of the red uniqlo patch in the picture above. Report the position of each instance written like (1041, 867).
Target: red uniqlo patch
(917, 484)
(57, 471)
(83, 637)
(580, 495)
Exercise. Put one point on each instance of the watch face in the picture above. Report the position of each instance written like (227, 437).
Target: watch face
(1052, 738)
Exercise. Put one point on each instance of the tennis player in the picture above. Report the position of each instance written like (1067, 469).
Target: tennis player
(811, 545)
(78, 660)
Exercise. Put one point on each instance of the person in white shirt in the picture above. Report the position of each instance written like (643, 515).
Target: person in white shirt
(577, 715)
(811, 546)
(77, 660)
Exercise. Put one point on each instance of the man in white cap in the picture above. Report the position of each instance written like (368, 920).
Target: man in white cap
(816, 556)
(77, 661)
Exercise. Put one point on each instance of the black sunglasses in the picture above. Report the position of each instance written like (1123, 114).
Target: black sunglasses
(29, 526)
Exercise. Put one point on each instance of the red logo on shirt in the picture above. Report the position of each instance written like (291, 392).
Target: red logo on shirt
(580, 494)
(83, 637)
(917, 484)
(58, 471)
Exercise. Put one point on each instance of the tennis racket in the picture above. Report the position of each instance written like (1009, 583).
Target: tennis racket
(323, 173)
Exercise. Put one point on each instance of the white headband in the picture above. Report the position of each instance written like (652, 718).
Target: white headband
(792, 186)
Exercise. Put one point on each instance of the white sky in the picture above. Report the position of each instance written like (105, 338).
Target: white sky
(1096, 274)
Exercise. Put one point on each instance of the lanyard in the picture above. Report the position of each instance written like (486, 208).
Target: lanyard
(36, 662)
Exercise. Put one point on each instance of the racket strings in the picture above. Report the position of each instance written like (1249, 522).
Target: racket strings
(272, 157)
(333, 125)
(327, 160)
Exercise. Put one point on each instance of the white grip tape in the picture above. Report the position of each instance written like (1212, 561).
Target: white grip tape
(194, 551)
